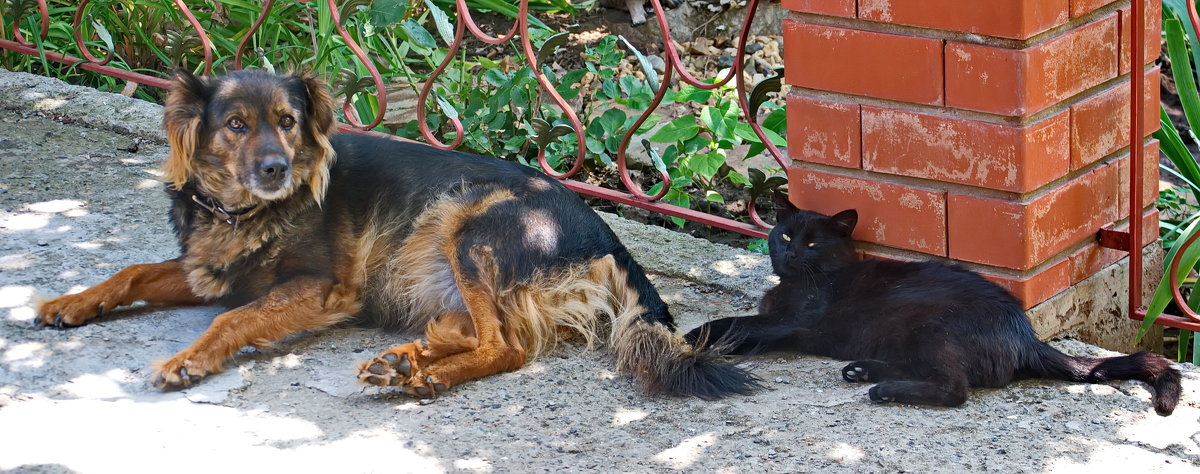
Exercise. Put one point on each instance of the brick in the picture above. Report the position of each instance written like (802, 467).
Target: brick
(1152, 38)
(1038, 287)
(1090, 260)
(821, 131)
(888, 213)
(1100, 125)
(1149, 179)
(844, 8)
(1083, 7)
(985, 154)
(1025, 81)
(881, 65)
(1017, 19)
(1022, 234)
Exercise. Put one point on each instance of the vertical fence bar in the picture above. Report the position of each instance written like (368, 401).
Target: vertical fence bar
(1137, 87)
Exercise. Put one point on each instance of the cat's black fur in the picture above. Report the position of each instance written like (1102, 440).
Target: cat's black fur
(925, 331)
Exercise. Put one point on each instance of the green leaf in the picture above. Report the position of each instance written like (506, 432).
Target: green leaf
(448, 110)
(417, 34)
(654, 157)
(612, 120)
(689, 93)
(706, 164)
(1163, 294)
(442, 22)
(647, 68)
(1181, 70)
(551, 44)
(610, 89)
(713, 196)
(678, 130)
(104, 35)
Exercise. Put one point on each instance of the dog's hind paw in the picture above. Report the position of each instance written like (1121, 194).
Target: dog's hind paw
(395, 366)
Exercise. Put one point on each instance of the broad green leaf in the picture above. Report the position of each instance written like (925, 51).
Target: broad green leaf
(713, 196)
(706, 164)
(417, 34)
(678, 130)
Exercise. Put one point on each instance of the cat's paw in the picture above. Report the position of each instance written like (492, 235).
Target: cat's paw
(860, 372)
(881, 395)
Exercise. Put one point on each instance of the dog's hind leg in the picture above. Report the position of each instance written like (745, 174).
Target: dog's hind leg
(302, 304)
(449, 334)
(154, 283)
(493, 349)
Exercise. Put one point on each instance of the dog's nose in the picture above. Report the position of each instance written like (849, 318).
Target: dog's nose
(273, 168)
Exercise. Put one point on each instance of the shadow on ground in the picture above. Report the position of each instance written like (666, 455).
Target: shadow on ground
(76, 207)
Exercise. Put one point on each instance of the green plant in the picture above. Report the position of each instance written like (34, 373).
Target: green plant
(500, 103)
(1177, 205)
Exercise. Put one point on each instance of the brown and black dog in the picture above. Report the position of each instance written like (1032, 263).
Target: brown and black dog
(297, 229)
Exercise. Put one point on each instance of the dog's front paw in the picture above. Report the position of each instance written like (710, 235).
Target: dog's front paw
(179, 372)
(71, 310)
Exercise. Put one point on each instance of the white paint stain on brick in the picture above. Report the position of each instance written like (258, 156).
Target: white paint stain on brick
(880, 10)
(963, 158)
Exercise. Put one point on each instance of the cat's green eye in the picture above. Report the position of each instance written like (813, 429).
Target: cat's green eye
(786, 238)
(812, 244)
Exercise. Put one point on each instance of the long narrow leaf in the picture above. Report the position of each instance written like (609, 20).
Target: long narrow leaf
(1181, 70)
(1163, 294)
(1172, 146)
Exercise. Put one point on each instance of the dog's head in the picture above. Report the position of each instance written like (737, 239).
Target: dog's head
(250, 136)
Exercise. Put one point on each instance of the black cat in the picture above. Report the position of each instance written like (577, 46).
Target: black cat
(926, 331)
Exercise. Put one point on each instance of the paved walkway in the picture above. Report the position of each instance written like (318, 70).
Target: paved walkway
(75, 206)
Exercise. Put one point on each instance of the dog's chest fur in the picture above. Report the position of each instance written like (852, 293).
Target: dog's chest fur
(220, 257)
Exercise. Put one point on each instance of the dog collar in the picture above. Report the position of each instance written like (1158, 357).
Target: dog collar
(230, 217)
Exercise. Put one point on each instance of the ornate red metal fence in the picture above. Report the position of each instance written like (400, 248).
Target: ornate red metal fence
(1131, 241)
(632, 195)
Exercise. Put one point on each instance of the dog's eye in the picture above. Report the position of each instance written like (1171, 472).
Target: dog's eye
(287, 122)
(786, 238)
(236, 124)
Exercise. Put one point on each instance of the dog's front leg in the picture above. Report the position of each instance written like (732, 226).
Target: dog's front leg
(303, 304)
(154, 283)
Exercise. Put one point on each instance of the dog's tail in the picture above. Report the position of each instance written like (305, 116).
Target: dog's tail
(1153, 369)
(647, 347)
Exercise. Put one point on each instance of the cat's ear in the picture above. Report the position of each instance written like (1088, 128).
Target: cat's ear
(784, 209)
(845, 221)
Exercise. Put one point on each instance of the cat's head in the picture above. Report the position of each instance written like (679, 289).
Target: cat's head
(804, 242)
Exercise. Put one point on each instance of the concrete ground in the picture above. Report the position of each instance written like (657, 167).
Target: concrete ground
(76, 205)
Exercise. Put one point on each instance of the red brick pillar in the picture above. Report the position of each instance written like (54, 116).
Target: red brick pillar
(991, 132)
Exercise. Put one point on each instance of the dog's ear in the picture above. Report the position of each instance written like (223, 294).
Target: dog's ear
(320, 127)
(182, 119)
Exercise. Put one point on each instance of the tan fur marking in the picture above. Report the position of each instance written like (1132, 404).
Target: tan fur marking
(157, 283)
(298, 305)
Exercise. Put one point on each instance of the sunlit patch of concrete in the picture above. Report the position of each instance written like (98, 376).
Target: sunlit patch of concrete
(686, 452)
(24, 221)
(626, 416)
(12, 296)
(846, 454)
(56, 206)
(169, 431)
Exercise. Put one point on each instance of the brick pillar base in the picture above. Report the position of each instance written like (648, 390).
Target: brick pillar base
(993, 133)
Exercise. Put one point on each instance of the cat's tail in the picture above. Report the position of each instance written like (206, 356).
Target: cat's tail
(1153, 369)
(648, 349)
